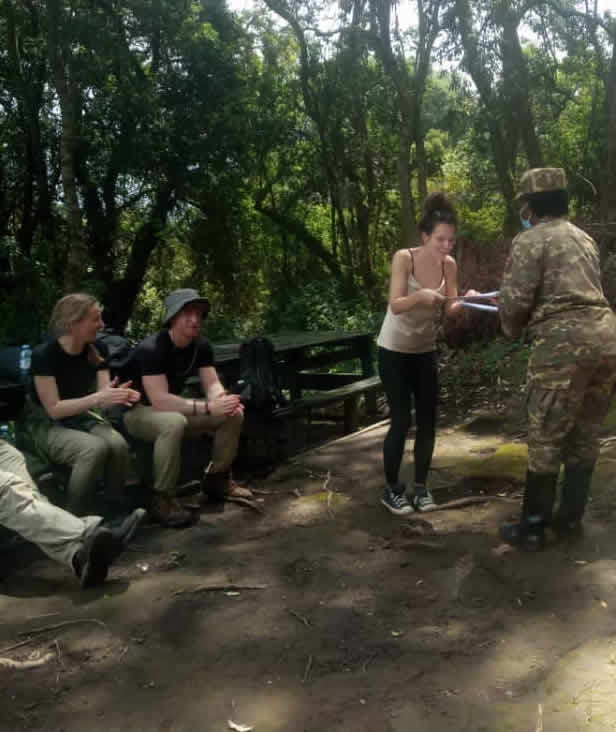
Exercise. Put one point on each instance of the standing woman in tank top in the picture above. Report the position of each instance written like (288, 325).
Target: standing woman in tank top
(421, 280)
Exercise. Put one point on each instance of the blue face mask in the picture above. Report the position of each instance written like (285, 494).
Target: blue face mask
(525, 222)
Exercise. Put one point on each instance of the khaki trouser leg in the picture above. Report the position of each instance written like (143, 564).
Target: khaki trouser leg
(85, 454)
(118, 459)
(24, 510)
(226, 432)
(166, 431)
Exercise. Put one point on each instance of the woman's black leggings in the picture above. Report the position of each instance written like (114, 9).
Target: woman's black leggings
(406, 376)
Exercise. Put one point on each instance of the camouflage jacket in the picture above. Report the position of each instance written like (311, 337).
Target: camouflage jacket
(552, 288)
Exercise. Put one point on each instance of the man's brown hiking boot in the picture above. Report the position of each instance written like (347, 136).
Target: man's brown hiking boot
(217, 486)
(168, 511)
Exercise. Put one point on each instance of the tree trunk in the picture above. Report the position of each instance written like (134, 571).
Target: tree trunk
(299, 231)
(27, 87)
(407, 222)
(410, 92)
(503, 154)
(608, 184)
(120, 298)
(516, 86)
(77, 258)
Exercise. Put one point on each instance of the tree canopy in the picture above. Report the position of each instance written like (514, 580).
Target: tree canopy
(275, 158)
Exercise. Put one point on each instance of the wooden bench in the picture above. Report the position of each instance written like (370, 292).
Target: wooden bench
(348, 394)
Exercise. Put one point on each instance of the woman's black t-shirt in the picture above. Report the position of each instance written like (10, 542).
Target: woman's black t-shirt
(74, 374)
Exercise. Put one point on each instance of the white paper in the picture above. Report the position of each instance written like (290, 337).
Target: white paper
(477, 306)
(480, 296)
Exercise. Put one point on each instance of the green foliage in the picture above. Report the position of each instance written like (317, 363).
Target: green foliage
(487, 363)
(216, 151)
(467, 171)
(320, 306)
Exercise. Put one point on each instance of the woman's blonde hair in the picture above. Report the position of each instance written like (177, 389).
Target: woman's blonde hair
(71, 309)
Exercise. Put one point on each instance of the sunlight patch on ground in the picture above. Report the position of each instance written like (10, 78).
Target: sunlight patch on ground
(508, 462)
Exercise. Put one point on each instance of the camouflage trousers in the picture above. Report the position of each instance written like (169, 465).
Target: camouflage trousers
(564, 422)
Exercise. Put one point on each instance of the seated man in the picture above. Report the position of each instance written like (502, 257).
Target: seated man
(162, 363)
(81, 544)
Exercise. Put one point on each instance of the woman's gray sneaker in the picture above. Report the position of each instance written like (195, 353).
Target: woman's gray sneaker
(423, 502)
(396, 502)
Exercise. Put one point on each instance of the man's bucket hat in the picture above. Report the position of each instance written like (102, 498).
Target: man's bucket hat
(178, 299)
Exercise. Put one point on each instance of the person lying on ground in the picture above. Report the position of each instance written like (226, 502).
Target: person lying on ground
(82, 544)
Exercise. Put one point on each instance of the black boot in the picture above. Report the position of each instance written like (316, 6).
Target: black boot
(529, 532)
(214, 486)
(576, 489)
(91, 562)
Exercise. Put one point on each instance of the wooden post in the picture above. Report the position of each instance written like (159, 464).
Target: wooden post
(367, 370)
(351, 413)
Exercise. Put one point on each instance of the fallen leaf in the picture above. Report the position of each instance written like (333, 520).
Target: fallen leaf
(239, 727)
(603, 603)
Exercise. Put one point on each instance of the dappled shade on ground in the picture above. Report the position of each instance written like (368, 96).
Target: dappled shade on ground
(363, 621)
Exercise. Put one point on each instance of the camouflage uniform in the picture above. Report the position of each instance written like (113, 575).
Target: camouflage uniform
(552, 288)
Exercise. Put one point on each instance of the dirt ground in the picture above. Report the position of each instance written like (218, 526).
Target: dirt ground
(328, 613)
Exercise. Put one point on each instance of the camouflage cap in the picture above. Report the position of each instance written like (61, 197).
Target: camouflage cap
(540, 180)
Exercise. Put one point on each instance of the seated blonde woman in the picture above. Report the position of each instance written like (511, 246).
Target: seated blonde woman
(72, 383)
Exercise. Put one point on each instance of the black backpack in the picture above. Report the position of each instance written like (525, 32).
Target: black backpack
(258, 385)
(120, 352)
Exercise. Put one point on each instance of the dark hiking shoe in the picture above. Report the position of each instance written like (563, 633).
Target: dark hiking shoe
(192, 502)
(125, 530)
(528, 534)
(214, 487)
(188, 489)
(169, 512)
(396, 502)
(91, 562)
(190, 495)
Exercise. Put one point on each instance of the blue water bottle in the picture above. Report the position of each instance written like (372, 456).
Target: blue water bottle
(5, 433)
(25, 360)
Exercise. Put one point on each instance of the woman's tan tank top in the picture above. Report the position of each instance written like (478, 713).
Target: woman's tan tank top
(413, 331)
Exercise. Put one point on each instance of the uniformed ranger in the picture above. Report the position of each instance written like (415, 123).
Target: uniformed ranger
(552, 289)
